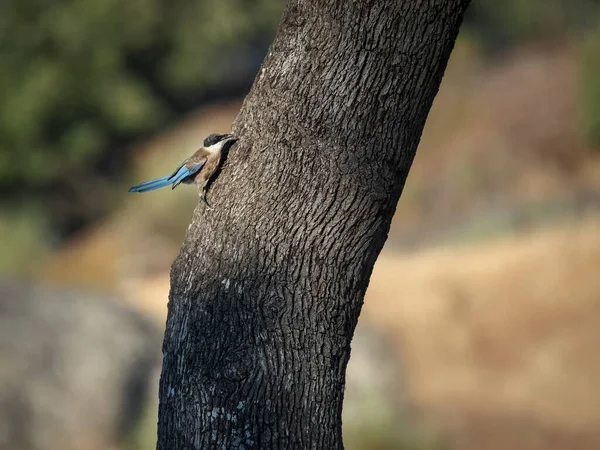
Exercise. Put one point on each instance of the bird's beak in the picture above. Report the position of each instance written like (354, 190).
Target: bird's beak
(227, 136)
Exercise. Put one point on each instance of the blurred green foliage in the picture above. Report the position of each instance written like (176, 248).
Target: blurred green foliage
(590, 86)
(499, 25)
(78, 73)
(24, 232)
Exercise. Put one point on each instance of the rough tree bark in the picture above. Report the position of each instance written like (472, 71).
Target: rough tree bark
(268, 286)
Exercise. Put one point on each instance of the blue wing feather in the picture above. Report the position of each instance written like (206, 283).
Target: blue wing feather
(181, 170)
(184, 173)
(177, 177)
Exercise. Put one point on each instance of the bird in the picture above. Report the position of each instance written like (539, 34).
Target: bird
(198, 168)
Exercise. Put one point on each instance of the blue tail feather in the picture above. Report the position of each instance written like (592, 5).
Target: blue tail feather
(151, 185)
(177, 177)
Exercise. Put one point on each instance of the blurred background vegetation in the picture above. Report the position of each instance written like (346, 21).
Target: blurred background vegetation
(97, 95)
(81, 81)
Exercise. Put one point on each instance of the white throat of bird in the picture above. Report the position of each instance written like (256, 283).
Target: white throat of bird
(216, 147)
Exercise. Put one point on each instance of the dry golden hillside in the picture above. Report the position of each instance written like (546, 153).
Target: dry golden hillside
(509, 328)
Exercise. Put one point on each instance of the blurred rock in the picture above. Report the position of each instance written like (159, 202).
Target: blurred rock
(76, 370)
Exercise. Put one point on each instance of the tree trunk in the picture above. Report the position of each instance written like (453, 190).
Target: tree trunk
(268, 286)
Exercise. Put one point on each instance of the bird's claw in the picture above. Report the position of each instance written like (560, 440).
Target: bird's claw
(203, 196)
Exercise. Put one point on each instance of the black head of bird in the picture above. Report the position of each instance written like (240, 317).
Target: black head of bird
(215, 138)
